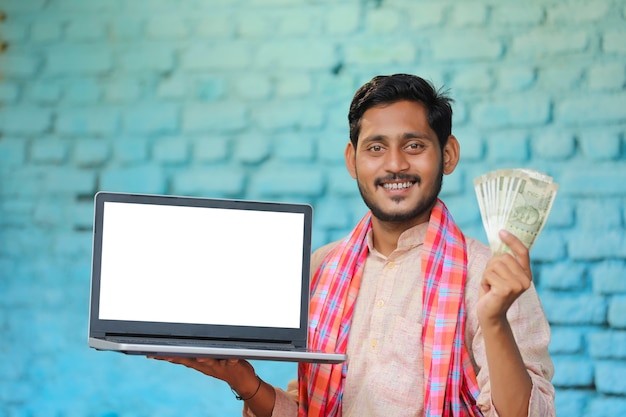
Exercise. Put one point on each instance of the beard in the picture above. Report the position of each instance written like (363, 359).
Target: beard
(425, 203)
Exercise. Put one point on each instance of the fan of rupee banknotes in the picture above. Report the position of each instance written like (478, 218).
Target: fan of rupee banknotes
(516, 200)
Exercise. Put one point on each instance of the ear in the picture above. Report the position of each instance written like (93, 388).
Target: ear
(451, 155)
(350, 156)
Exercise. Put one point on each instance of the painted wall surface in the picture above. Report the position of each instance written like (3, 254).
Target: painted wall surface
(248, 99)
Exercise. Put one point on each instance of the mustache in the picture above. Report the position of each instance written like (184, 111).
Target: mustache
(398, 177)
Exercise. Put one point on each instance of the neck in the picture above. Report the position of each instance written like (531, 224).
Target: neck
(386, 234)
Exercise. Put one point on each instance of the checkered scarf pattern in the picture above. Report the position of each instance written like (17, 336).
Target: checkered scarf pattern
(450, 382)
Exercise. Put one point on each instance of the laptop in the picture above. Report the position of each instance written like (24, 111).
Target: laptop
(200, 277)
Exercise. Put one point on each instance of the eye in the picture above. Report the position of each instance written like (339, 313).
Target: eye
(375, 148)
(414, 147)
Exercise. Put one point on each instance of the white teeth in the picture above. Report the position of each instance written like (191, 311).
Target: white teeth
(397, 186)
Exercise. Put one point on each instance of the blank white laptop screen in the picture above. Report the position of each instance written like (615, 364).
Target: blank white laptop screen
(201, 265)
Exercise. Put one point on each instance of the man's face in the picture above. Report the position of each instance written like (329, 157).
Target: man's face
(398, 162)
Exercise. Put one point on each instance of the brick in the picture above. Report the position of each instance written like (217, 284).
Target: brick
(578, 309)
(553, 144)
(430, 14)
(227, 55)
(91, 152)
(472, 143)
(565, 276)
(210, 88)
(307, 54)
(148, 59)
(591, 246)
(295, 147)
(44, 92)
(126, 90)
(614, 42)
(341, 19)
(339, 181)
(603, 108)
(513, 147)
(382, 20)
(379, 53)
(126, 29)
(550, 246)
(593, 180)
(609, 377)
(85, 30)
(301, 21)
(9, 93)
(560, 78)
(145, 178)
(617, 311)
(128, 150)
(566, 341)
(78, 60)
(600, 144)
(572, 402)
(87, 121)
(253, 87)
(296, 180)
(463, 208)
(293, 85)
(515, 78)
(591, 11)
(49, 151)
(526, 15)
(609, 76)
(82, 91)
(152, 119)
(331, 145)
(468, 14)
(46, 31)
(210, 149)
(172, 88)
(608, 277)
(218, 25)
(513, 111)
(466, 47)
(19, 66)
(25, 120)
(283, 115)
(12, 153)
(330, 213)
(606, 406)
(221, 116)
(454, 183)
(562, 213)
(67, 180)
(171, 151)
(251, 150)
(24, 6)
(210, 182)
(13, 32)
(255, 24)
(170, 27)
(473, 79)
(546, 43)
(572, 371)
(587, 214)
(609, 344)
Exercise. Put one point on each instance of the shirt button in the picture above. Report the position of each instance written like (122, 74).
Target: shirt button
(374, 343)
(381, 303)
(391, 265)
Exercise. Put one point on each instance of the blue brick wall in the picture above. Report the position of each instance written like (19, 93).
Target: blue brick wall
(248, 99)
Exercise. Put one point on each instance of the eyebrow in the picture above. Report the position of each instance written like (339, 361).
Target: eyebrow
(406, 135)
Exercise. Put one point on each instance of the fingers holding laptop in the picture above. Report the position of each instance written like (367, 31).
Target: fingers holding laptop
(238, 374)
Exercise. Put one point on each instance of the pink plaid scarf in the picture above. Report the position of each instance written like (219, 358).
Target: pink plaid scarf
(450, 381)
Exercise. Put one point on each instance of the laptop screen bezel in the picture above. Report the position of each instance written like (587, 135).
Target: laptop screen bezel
(103, 328)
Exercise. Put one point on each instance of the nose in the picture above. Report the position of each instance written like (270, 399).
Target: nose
(396, 160)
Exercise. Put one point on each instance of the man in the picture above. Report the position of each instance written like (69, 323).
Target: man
(433, 324)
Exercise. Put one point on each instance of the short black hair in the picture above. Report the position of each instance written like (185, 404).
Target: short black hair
(389, 89)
